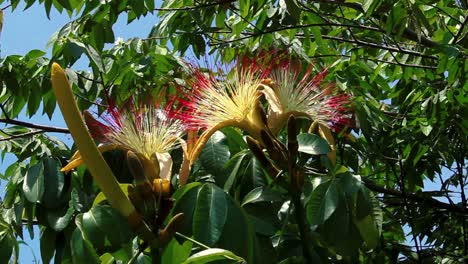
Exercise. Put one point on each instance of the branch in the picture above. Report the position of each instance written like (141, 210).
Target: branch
(2, 107)
(460, 31)
(36, 126)
(378, 60)
(407, 33)
(415, 198)
(32, 133)
(357, 41)
(188, 8)
(4, 8)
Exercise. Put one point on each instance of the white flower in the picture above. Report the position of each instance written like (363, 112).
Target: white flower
(119, 40)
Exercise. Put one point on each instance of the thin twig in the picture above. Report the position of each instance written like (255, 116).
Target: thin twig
(28, 134)
(460, 166)
(357, 41)
(192, 240)
(407, 32)
(407, 207)
(2, 107)
(36, 126)
(460, 31)
(4, 8)
(415, 198)
(87, 78)
(189, 8)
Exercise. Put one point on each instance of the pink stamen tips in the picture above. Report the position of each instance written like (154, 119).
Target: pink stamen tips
(139, 127)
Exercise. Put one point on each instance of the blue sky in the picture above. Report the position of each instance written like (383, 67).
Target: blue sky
(30, 29)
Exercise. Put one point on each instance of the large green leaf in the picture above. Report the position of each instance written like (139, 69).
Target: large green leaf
(175, 252)
(312, 144)
(54, 184)
(56, 218)
(33, 185)
(213, 254)
(322, 202)
(368, 218)
(99, 227)
(47, 245)
(215, 154)
(82, 250)
(210, 214)
(7, 244)
(185, 202)
(238, 234)
(261, 194)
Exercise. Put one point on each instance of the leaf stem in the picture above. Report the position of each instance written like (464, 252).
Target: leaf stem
(192, 240)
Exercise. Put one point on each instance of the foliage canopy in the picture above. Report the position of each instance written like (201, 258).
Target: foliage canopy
(404, 64)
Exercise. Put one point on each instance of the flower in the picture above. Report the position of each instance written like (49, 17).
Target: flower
(144, 129)
(119, 41)
(214, 100)
(293, 91)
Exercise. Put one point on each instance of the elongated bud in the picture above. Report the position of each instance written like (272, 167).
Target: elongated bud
(293, 145)
(274, 149)
(136, 168)
(96, 164)
(264, 161)
(136, 198)
(261, 112)
(166, 234)
(266, 139)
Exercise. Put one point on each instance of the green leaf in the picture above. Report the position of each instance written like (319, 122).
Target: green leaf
(368, 217)
(99, 227)
(175, 252)
(82, 250)
(215, 154)
(370, 5)
(54, 182)
(213, 254)
(238, 234)
(47, 242)
(312, 144)
(100, 197)
(33, 185)
(56, 218)
(261, 194)
(350, 183)
(185, 202)
(368, 231)
(210, 214)
(322, 203)
(7, 243)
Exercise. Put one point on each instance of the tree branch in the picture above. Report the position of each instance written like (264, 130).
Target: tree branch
(4, 8)
(407, 33)
(377, 60)
(415, 198)
(32, 133)
(357, 41)
(460, 31)
(36, 126)
(189, 8)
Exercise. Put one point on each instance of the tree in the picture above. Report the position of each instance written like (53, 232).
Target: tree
(300, 193)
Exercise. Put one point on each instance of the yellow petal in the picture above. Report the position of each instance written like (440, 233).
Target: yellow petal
(76, 159)
(325, 133)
